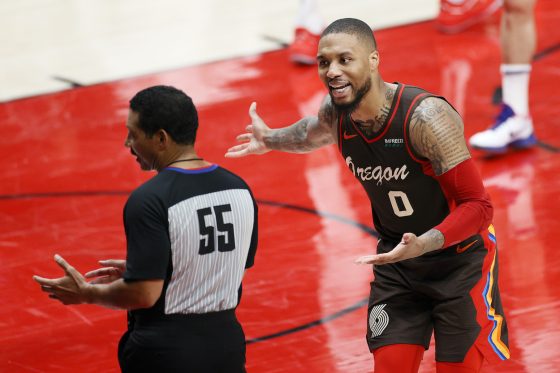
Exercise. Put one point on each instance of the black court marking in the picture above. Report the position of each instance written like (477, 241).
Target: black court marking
(276, 40)
(281, 333)
(546, 52)
(92, 193)
(335, 315)
(489, 155)
(341, 219)
(545, 146)
(311, 324)
(72, 83)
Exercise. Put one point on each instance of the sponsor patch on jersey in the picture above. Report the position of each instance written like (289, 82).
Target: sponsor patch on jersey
(378, 320)
(394, 143)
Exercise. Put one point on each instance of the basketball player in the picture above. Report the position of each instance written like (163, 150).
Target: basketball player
(435, 267)
(191, 232)
(513, 127)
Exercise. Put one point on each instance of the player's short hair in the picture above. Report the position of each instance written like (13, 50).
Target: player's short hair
(167, 108)
(354, 27)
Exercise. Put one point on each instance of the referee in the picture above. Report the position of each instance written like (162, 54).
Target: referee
(191, 232)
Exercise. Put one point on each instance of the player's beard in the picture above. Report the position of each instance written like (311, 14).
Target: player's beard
(349, 107)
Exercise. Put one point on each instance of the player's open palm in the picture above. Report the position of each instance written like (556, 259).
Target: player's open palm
(409, 247)
(252, 141)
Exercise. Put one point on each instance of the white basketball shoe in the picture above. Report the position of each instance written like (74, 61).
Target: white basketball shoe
(509, 131)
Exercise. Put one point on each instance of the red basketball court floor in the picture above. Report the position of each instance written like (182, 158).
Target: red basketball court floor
(66, 176)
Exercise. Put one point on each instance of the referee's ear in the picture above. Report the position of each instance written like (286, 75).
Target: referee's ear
(163, 139)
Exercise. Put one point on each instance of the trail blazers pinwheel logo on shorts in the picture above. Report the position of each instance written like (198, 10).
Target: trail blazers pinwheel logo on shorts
(378, 320)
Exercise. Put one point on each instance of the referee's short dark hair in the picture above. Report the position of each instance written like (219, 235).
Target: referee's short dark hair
(167, 108)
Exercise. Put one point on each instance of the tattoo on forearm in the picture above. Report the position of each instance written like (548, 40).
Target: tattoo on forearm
(434, 240)
(436, 132)
(289, 139)
(297, 139)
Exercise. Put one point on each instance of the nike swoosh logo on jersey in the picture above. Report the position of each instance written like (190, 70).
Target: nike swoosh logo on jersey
(464, 248)
(347, 136)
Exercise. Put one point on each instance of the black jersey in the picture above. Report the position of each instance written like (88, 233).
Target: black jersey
(196, 230)
(404, 194)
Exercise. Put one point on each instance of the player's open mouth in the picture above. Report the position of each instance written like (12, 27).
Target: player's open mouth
(339, 90)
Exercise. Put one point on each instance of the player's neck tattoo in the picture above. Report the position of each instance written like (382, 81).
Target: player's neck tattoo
(371, 127)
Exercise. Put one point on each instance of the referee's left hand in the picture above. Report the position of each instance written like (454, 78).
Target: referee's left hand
(70, 289)
(409, 247)
(111, 271)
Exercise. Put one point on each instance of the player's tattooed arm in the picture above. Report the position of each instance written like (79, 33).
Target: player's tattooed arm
(436, 133)
(307, 134)
(411, 246)
(432, 240)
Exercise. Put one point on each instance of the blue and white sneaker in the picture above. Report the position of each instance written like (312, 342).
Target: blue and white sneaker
(509, 131)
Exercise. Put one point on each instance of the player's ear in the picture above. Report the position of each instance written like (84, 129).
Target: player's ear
(374, 60)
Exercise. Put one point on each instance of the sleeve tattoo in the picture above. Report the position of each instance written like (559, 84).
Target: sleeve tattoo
(436, 132)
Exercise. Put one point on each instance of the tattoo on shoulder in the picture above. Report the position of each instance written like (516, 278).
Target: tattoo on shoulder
(436, 132)
(372, 127)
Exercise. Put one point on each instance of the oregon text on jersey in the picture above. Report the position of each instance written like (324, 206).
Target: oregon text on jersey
(377, 173)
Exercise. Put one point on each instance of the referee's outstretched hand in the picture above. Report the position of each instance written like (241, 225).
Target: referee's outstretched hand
(112, 270)
(409, 247)
(72, 288)
(253, 140)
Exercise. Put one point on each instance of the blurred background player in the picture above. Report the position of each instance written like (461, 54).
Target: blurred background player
(513, 126)
(309, 25)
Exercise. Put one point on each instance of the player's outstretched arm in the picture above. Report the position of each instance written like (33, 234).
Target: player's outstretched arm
(411, 246)
(304, 136)
(252, 142)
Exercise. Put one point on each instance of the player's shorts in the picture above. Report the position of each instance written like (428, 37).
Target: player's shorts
(205, 343)
(451, 292)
